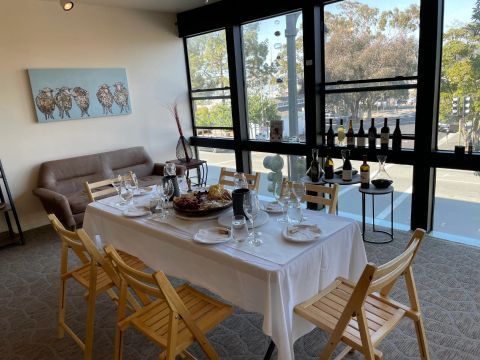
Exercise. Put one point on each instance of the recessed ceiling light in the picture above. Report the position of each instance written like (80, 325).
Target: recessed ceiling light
(67, 5)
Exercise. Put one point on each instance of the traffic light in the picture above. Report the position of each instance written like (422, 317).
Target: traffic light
(466, 105)
(455, 106)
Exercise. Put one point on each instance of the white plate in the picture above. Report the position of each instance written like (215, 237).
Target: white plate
(262, 218)
(213, 235)
(273, 207)
(305, 233)
(136, 211)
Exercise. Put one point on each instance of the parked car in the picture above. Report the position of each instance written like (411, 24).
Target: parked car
(444, 128)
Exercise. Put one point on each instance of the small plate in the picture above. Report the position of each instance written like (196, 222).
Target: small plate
(213, 235)
(273, 208)
(302, 233)
(226, 219)
(136, 211)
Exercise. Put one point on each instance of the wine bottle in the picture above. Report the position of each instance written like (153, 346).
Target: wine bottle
(341, 132)
(350, 136)
(470, 147)
(384, 135)
(361, 136)
(330, 136)
(372, 136)
(397, 137)
(314, 171)
(365, 174)
(347, 168)
(328, 168)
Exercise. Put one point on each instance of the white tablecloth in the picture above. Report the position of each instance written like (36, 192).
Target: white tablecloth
(248, 281)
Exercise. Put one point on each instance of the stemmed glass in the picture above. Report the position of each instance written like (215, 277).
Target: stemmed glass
(251, 208)
(168, 191)
(282, 195)
(117, 184)
(126, 194)
(298, 190)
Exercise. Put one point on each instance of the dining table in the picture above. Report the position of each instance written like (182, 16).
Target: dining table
(269, 279)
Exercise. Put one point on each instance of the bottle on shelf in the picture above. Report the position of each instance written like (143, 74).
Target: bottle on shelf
(328, 168)
(347, 167)
(470, 147)
(361, 136)
(384, 135)
(372, 136)
(341, 133)
(397, 137)
(330, 136)
(314, 172)
(365, 174)
(350, 136)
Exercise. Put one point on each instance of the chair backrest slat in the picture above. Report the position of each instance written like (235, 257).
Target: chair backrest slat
(70, 239)
(226, 179)
(321, 190)
(106, 187)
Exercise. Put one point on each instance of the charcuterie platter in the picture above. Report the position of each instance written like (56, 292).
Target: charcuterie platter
(202, 203)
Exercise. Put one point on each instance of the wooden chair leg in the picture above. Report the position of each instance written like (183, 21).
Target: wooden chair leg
(367, 346)
(91, 300)
(118, 344)
(422, 339)
(61, 308)
(330, 348)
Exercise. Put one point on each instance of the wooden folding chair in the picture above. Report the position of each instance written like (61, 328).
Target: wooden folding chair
(320, 198)
(358, 316)
(95, 273)
(103, 188)
(227, 179)
(173, 319)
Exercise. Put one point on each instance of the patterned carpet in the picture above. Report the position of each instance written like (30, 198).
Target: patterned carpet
(447, 275)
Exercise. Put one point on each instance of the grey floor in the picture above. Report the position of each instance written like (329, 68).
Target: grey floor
(447, 275)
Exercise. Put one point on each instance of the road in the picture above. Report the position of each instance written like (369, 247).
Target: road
(457, 198)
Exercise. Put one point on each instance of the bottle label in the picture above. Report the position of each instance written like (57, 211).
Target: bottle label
(350, 141)
(361, 141)
(365, 177)
(384, 138)
(347, 175)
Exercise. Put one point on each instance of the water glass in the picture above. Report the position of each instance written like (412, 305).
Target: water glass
(239, 228)
(251, 208)
(282, 195)
(294, 214)
(126, 194)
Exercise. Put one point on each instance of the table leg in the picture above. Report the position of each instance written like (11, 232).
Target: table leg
(373, 212)
(269, 352)
(363, 216)
(391, 215)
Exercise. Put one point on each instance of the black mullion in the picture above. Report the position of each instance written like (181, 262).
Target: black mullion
(322, 74)
(366, 81)
(189, 82)
(427, 104)
(211, 89)
(372, 88)
(238, 96)
(219, 97)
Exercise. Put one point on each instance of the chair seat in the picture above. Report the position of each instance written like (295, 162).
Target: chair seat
(153, 319)
(325, 309)
(82, 274)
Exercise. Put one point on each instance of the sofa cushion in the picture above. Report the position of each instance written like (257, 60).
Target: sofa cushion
(120, 162)
(78, 202)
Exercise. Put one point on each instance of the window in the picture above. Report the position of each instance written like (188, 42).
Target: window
(216, 159)
(459, 120)
(371, 62)
(210, 86)
(457, 204)
(273, 60)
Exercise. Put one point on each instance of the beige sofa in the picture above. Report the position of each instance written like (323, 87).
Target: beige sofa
(61, 182)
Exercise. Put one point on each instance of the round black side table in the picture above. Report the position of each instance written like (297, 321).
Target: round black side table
(373, 191)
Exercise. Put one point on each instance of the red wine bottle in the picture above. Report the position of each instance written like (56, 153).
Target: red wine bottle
(384, 135)
(361, 136)
(350, 136)
(372, 136)
(397, 137)
(330, 136)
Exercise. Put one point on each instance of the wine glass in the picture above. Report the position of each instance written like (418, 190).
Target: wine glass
(282, 195)
(117, 184)
(126, 195)
(298, 190)
(168, 191)
(251, 208)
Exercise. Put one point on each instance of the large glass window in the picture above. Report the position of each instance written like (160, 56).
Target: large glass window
(210, 86)
(457, 206)
(371, 62)
(273, 60)
(216, 159)
(459, 115)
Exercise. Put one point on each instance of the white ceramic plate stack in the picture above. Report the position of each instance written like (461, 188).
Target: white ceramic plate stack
(213, 235)
(302, 233)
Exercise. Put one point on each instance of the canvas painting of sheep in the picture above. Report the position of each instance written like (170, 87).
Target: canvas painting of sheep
(67, 94)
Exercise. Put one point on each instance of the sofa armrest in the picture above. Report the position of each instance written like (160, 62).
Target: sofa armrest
(159, 169)
(57, 204)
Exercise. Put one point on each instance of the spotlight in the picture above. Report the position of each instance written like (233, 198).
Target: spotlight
(67, 5)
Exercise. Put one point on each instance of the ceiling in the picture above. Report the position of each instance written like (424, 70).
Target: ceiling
(171, 6)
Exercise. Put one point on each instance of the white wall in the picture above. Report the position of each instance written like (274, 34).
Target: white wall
(38, 34)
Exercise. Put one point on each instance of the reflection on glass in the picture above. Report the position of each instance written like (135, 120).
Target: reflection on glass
(367, 39)
(459, 123)
(273, 60)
